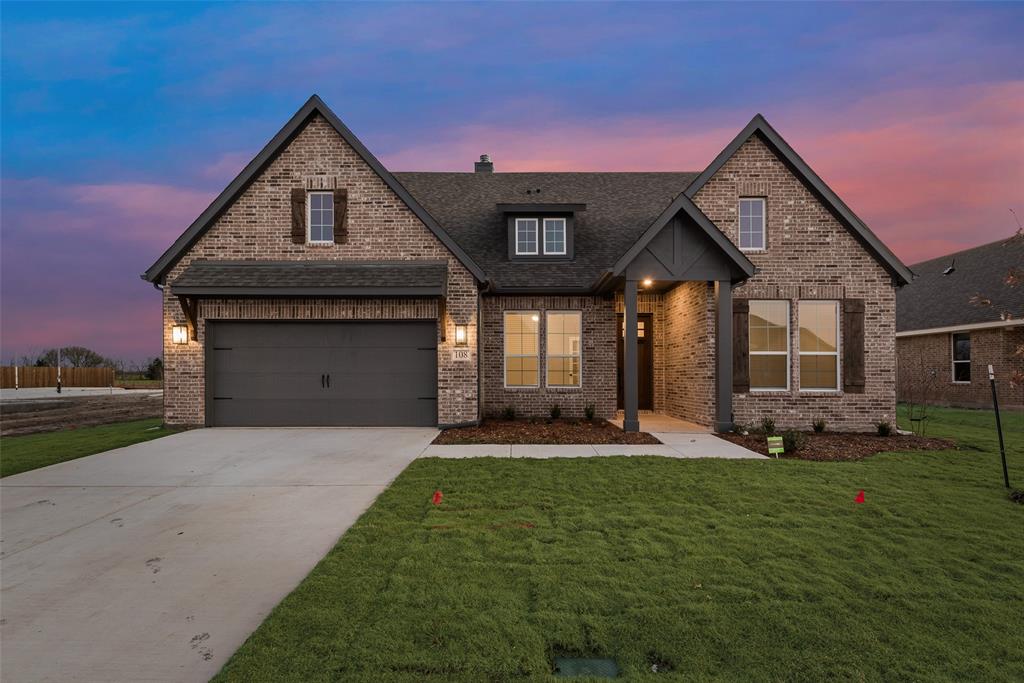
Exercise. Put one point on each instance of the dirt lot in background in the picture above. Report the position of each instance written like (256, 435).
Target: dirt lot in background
(540, 431)
(51, 415)
(843, 445)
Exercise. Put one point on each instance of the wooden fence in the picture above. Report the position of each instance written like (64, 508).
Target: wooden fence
(29, 377)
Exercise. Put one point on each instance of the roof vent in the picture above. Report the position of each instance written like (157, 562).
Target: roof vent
(485, 165)
(951, 268)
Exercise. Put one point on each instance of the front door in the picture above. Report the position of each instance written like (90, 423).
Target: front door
(644, 360)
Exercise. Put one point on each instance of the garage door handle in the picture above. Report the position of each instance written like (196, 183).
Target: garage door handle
(328, 380)
(322, 381)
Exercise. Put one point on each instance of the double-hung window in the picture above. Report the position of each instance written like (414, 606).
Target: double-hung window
(962, 357)
(522, 348)
(768, 329)
(752, 224)
(819, 345)
(563, 332)
(320, 217)
(554, 236)
(526, 237)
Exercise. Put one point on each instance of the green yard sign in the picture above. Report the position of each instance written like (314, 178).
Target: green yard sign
(775, 446)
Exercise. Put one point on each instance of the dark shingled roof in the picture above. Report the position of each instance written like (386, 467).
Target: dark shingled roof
(620, 207)
(397, 278)
(937, 300)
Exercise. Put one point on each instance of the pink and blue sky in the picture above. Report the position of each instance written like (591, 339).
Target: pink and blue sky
(120, 122)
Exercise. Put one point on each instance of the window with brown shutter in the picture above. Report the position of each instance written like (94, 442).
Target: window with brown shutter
(853, 346)
(340, 209)
(740, 346)
(298, 215)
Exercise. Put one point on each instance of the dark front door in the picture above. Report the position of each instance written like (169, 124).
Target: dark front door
(644, 360)
(298, 374)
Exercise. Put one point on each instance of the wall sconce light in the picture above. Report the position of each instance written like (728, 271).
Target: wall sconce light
(179, 334)
(461, 335)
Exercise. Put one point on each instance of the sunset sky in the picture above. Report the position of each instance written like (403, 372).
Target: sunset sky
(121, 122)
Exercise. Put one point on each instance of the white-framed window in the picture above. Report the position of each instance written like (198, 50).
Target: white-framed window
(564, 334)
(522, 348)
(961, 357)
(526, 236)
(554, 236)
(752, 224)
(320, 217)
(819, 345)
(768, 329)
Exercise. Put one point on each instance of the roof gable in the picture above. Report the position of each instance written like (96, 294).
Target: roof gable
(759, 126)
(313, 106)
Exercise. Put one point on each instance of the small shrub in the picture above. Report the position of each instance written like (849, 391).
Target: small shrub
(556, 411)
(740, 428)
(818, 425)
(884, 428)
(509, 413)
(589, 411)
(1017, 496)
(792, 440)
(768, 425)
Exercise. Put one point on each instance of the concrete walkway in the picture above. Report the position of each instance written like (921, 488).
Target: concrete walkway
(154, 562)
(673, 445)
(42, 393)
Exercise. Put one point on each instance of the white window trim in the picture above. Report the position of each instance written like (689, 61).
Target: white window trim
(565, 231)
(505, 355)
(578, 354)
(788, 351)
(309, 217)
(536, 237)
(954, 361)
(764, 224)
(801, 352)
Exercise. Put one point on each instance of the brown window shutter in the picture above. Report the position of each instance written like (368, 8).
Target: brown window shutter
(340, 208)
(740, 346)
(853, 346)
(298, 215)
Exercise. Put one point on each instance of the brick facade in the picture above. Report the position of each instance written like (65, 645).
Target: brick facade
(380, 226)
(925, 369)
(809, 255)
(598, 358)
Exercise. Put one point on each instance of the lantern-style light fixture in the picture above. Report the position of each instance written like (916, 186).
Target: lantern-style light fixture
(179, 334)
(461, 335)
(648, 282)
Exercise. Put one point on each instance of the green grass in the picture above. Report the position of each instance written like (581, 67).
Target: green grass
(724, 570)
(23, 453)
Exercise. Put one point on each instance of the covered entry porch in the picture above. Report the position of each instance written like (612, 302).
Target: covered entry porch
(673, 292)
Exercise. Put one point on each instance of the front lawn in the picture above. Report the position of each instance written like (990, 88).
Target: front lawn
(711, 569)
(23, 453)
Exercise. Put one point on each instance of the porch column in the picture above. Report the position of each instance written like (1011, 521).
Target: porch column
(630, 418)
(723, 356)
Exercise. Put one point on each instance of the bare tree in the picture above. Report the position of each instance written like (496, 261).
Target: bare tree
(1013, 278)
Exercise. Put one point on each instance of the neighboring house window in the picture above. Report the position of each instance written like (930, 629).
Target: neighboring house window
(819, 345)
(563, 334)
(522, 348)
(768, 328)
(526, 236)
(752, 224)
(321, 217)
(554, 236)
(962, 357)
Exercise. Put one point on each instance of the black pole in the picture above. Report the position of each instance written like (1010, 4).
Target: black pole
(999, 425)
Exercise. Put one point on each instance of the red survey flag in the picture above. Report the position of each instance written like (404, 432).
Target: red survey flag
(436, 500)
(860, 497)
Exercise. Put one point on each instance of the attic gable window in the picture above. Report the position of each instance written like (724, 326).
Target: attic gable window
(554, 236)
(526, 236)
(320, 217)
(752, 224)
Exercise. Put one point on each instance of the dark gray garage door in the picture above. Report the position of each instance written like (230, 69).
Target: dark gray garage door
(331, 374)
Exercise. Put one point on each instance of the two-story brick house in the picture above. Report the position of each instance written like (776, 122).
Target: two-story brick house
(320, 288)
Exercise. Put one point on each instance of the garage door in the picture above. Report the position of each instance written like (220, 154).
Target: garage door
(330, 374)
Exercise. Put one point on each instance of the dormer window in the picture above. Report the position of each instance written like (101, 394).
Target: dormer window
(554, 236)
(526, 237)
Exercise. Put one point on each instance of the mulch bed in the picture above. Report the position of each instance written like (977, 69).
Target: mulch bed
(541, 431)
(844, 445)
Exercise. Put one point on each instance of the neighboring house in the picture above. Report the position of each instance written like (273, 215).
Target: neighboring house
(960, 315)
(322, 289)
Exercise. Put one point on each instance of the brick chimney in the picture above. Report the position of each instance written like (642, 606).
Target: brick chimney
(485, 165)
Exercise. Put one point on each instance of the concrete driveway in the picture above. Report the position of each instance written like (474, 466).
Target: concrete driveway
(154, 562)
